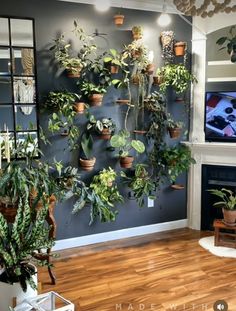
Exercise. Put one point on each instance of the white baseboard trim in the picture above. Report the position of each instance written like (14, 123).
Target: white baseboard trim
(118, 234)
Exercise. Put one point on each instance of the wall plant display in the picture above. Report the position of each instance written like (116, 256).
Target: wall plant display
(18, 99)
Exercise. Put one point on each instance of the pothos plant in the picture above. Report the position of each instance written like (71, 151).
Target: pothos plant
(64, 54)
(176, 159)
(62, 115)
(141, 183)
(176, 76)
(101, 195)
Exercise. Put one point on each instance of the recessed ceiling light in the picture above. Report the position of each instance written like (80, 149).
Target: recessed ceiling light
(102, 5)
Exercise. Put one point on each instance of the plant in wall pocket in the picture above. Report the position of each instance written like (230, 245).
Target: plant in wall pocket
(93, 92)
(228, 204)
(229, 43)
(180, 48)
(62, 118)
(141, 184)
(177, 76)
(101, 195)
(105, 128)
(119, 19)
(115, 60)
(125, 144)
(87, 160)
(137, 32)
(174, 127)
(176, 159)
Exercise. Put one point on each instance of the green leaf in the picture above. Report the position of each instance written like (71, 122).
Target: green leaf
(138, 146)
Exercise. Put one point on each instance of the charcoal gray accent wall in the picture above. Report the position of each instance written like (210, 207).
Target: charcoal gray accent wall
(54, 17)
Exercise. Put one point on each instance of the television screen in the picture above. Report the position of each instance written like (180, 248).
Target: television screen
(220, 123)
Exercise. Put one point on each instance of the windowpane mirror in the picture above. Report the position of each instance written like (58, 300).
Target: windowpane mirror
(18, 95)
(5, 90)
(5, 62)
(4, 31)
(26, 118)
(6, 118)
(23, 61)
(24, 90)
(22, 32)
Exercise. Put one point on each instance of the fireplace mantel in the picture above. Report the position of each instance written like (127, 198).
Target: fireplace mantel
(205, 153)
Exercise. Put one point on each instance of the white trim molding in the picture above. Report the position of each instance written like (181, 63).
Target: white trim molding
(119, 234)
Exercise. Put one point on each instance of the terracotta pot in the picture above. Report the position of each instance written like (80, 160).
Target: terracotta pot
(229, 216)
(180, 48)
(126, 162)
(135, 80)
(135, 54)
(106, 134)
(174, 132)
(114, 69)
(96, 99)
(150, 69)
(74, 73)
(79, 107)
(87, 165)
(157, 80)
(9, 212)
(119, 19)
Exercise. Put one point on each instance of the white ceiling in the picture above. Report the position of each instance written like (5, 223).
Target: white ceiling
(146, 5)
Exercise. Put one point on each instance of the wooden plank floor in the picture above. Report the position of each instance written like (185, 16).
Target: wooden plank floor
(165, 271)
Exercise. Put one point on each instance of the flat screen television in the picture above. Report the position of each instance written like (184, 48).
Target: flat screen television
(220, 116)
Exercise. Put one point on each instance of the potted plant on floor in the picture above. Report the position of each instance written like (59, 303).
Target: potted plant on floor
(177, 76)
(62, 115)
(141, 184)
(228, 204)
(174, 127)
(93, 92)
(101, 195)
(19, 245)
(115, 60)
(229, 43)
(125, 144)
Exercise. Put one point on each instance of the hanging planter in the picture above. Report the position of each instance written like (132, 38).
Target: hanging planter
(74, 72)
(79, 107)
(126, 162)
(167, 42)
(87, 164)
(96, 99)
(105, 134)
(114, 69)
(157, 80)
(119, 19)
(150, 69)
(174, 132)
(137, 32)
(180, 48)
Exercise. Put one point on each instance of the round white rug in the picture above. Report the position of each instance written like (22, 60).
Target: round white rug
(208, 243)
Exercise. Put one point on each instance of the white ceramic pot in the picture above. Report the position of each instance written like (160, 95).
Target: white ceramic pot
(8, 292)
